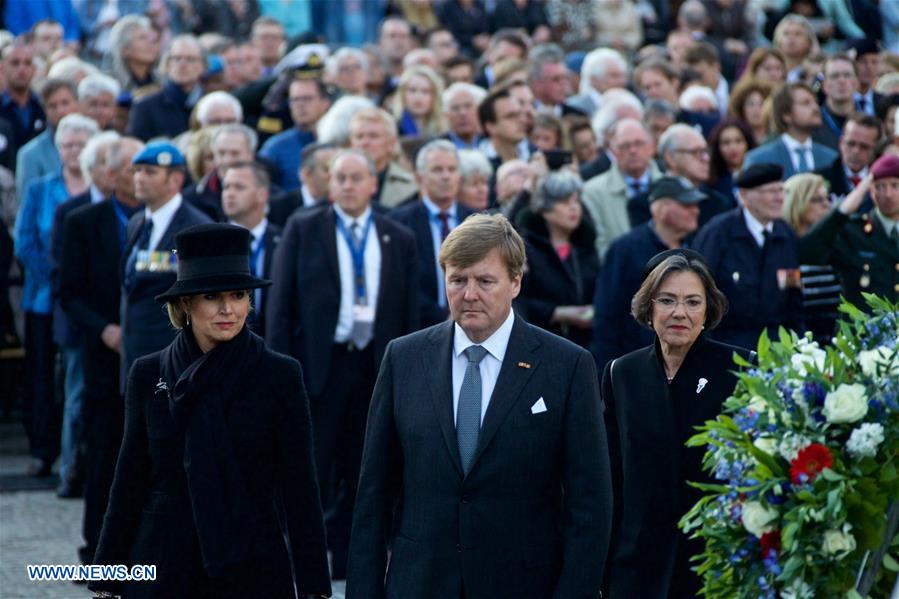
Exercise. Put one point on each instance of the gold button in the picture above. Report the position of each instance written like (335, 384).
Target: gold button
(867, 267)
(897, 267)
(896, 287)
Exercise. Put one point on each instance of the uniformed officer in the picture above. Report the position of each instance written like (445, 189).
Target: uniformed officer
(754, 256)
(150, 265)
(862, 248)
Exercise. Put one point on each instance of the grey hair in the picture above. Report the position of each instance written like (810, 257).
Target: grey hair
(89, 157)
(473, 162)
(475, 91)
(541, 55)
(118, 149)
(694, 13)
(249, 135)
(438, 145)
(69, 68)
(613, 129)
(697, 92)
(75, 122)
(613, 101)
(554, 187)
(98, 84)
(369, 163)
(332, 66)
(334, 126)
(659, 108)
(190, 39)
(218, 98)
(596, 64)
(119, 38)
(670, 139)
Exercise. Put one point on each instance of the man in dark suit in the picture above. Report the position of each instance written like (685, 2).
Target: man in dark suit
(486, 469)
(149, 265)
(432, 219)
(245, 193)
(166, 113)
(859, 136)
(90, 291)
(231, 143)
(754, 256)
(20, 107)
(345, 284)
(315, 163)
(548, 77)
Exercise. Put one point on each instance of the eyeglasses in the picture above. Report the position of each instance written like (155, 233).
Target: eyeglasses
(669, 304)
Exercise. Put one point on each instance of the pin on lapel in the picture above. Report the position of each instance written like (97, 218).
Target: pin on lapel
(162, 386)
(524, 365)
(701, 384)
(385, 238)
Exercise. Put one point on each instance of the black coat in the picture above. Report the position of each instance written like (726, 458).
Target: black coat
(206, 196)
(549, 282)
(748, 276)
(90, 290)
(149, 519)
(415, 217)
(304, 301)
(531, 520)
(648, 421)
(65, 332)
(160, 114)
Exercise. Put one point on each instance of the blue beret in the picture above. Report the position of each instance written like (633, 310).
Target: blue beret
(159, 153)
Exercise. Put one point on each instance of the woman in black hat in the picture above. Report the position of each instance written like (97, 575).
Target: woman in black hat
(215, 483)
(654, 397)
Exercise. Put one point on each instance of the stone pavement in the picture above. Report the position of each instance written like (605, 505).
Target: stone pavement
(36, 527)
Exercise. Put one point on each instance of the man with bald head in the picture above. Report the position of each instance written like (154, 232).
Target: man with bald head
(338, 326)
(607, 196)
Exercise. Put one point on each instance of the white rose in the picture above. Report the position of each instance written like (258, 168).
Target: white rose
(864, 440)
(881, 357)
(757, 518)
(809, 355)
(838, 543)
(766, 444)
(847, 404)
(758, 404)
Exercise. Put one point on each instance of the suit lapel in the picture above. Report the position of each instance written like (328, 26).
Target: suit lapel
(386, 263)
(167, 241)
(438, 360)
(329, 239)
(512, 380)
(785, 159)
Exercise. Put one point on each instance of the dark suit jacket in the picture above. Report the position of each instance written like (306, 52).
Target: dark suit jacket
(304, 301)
(90, 290)
(149, 519)
(206, 196)
(840, 185)
(415, 217)
(271, 239)
(597, 167)
(648, 422)
(531, 520)
(747, 275)
(160, 114)
(65, 332)
(145, 326)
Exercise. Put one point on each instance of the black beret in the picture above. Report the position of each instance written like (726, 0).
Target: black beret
(662, 256)
(861, 46)
(759, 174)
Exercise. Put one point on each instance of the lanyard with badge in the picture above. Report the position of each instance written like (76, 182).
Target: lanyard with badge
(362, 312)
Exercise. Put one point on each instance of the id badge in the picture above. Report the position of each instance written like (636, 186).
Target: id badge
(363, 314)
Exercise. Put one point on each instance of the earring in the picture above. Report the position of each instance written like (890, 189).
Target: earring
(187, 318)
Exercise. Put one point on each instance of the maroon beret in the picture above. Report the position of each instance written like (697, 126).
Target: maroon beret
(885, 166)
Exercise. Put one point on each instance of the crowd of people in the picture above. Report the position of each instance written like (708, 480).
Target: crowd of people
(351, 139)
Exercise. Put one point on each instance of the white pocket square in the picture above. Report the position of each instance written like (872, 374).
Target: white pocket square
(539, 407)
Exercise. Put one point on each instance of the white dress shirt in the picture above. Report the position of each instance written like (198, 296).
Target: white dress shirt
(162, 218)
(794, 146)
(437, 240)
(308, 199)
(496, 346)
(258, 237)
(756, 228)
(722, 93)
(96, 194)
(347, 274)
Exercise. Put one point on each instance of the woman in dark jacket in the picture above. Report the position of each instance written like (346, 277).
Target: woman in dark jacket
(557, 290)
(653, 398)
(215, 483)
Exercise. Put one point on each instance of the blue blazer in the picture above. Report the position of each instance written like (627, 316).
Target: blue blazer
(776, 151)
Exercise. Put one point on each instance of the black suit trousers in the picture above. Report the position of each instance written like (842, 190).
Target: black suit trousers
(41, 413)
(338, 430)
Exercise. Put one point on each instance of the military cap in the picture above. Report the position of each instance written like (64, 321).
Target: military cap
(676, 189)
(757, 175)
(160, 153)
(885, 166)
(306, 61)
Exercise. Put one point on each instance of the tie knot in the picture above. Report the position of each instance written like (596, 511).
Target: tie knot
(443, 216)
(475, 354)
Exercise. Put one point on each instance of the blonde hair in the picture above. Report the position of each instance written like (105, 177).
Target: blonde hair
(470, 242)
(798, 192)
(793, 19)
(198, 145)
(435, 123)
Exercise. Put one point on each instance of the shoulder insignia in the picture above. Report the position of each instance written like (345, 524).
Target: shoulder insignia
(268, 124)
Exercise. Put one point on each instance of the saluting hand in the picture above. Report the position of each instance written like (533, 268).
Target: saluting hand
(854, 198)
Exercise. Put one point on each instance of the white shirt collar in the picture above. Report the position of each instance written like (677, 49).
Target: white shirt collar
(888, 224)
(96, 194)
(308, 199)
(435, 210)
(794, 144)
(595, 97)
(860, 174)
(348, 220)
(496, 344)
(756, 228)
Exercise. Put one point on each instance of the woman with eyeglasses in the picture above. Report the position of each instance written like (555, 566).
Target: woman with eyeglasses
(806, 201)
(654, 397)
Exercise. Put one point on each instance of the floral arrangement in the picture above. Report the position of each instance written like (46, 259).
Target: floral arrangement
(806, 456)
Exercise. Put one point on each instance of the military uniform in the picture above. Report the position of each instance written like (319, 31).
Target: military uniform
(858, 248)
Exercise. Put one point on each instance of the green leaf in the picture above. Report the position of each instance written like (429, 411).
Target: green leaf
(767, 460)
(890, 563)
(832, 476)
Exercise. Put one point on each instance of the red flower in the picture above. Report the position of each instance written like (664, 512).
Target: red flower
(810, 462)
(770, 541)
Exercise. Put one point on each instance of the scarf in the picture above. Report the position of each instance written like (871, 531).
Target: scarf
(202, 388)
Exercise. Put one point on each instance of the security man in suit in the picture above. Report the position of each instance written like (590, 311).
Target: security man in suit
(90, 291)
(245, 193)
(862, 248)
(754, 256)
(432, 219)
(345, 285)
(486, 468)
(149, 266)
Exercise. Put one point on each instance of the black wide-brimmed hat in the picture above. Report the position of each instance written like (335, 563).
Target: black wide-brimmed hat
(212, 258)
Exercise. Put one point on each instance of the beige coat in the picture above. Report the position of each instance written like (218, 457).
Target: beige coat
(399, 184)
